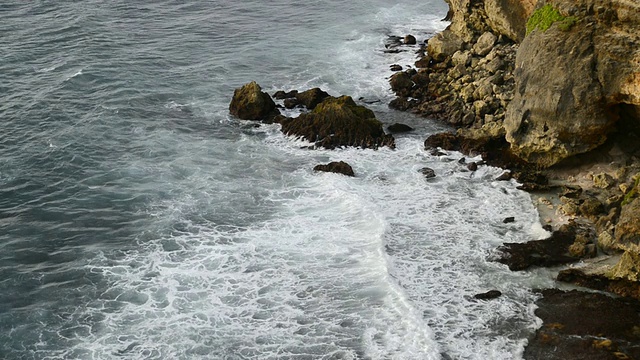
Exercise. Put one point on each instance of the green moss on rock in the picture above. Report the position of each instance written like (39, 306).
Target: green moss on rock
(545, 16)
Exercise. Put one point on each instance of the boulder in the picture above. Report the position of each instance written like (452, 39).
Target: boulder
(281, 94)
(485, 43)
(250, 103)
(428, 172)
(409, 40)
(395, 67)
(443, 45)
(339, 122)
(401, 84)
(338, 167)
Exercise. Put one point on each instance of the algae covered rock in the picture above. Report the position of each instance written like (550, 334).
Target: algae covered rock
(250, 103)
(339, 122)
(311, 98)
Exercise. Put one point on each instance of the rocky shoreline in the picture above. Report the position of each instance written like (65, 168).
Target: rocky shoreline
(531, 86)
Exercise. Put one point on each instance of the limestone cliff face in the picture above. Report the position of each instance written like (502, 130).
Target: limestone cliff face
(506, 17)
(576, 85)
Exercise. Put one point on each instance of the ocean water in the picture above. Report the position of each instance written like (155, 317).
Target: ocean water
(139, 220)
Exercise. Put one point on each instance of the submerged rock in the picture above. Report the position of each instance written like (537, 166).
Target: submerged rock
(339, 122)
(338, 167)
(399, 128)
(250, 103)
(428, 172)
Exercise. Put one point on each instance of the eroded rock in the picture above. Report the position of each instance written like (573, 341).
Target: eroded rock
(250, 103)
(338, 167)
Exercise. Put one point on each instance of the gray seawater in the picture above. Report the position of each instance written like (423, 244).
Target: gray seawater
(140, 221)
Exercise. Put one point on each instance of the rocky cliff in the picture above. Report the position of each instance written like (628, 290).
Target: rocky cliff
(577, 81)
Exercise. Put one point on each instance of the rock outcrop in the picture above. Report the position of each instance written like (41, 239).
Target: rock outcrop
(577, 81)
(250, 103)
(339, 122)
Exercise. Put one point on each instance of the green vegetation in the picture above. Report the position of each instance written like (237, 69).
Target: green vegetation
(545, 16)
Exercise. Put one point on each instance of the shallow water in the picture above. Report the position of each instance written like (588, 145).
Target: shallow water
(141, 221)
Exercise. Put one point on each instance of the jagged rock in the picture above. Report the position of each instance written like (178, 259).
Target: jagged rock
(311, 98)
(443, 45)
(250, 103)
(290, 103)
(339, 122)
(399, 128)
(485, 43)
(338, 167)
(409, 40)
(628, 268)
(489, 295)
(628, 226)
(603, 180)
(591, 206)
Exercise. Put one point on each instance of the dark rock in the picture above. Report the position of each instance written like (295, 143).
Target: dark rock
(492, 294)
(311, 98)
(409, 40)
(472, 166)
(396, 67)
(401, 103)
(591, 206)
(401, 84)
(281, 95)
(340, 167)
(339, 122)
(548, 252)
(582, 325)
(509, 220)
(621, 287)
(428, 172)
(250, 103)
(290, 103)
(399, 128)
(505, 176)
(462, 161)
(436, 152)
(494, 150)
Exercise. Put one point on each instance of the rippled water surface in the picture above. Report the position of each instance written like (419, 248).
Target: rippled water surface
(141, 221)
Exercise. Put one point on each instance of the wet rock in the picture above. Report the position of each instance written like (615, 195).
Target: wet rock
(489, 295)
(281, 94)
(409, 40)
(395, 67)
(548, 252)
(428, 172)
(581, 325)
(505, 176)
(472, 166)
(339, 122)
(399, 128)
(591, 206)
(311, 98)
(250, 103)
(509, 220)
(338, 167)
(291, 103)
(401, 84)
